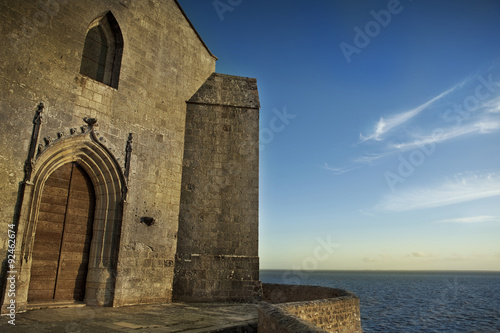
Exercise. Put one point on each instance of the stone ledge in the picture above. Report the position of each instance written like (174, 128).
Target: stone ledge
(273, 319)
(297, 309)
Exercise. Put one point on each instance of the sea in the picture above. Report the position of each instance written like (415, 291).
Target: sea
(412, 301)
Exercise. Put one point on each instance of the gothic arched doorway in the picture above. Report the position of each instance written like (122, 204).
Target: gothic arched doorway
(62, 237)
(94, 274)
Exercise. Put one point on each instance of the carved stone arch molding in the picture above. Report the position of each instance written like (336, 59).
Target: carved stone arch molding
(109, 185)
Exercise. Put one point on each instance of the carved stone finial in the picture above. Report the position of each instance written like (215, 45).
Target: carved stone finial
(38, 115)
(60, 135)
(128, 155)
(37, 122)
(28, 167)
(48, 140)
(72, 130)
(129, 142)
(124, 192)
(91, 122)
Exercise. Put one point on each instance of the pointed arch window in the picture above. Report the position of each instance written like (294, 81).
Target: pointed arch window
(102, 52)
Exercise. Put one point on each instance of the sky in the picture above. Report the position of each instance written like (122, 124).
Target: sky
(379, 128)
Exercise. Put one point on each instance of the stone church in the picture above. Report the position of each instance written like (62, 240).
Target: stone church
(129, 168)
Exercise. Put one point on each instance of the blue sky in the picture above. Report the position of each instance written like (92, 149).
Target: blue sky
(380, 128)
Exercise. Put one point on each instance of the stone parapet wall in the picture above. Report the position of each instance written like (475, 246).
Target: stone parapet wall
(273, 319)
(308, 309)
(334, 314)
(284, 293)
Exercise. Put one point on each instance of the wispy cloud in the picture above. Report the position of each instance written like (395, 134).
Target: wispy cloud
(458, 257)
(474, 219)
(483, 122)
(370, 158)
(421, 255)
(440, 135)
(492, 106)
(370, 259)
(461, 188)
(379, 258)
(358, 162)
(484, 126)
(384, 125)
(341, 170)
(367, 213)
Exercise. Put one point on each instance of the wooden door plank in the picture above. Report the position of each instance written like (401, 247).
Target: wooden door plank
(48, 235)
(77, 234)
(50, 217)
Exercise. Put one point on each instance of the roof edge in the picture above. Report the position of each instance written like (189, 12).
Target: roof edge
(194, 29)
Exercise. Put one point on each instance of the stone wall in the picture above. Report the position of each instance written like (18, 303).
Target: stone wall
(164, 63)
(284, 293)
(273, 319)
(308, 309)
(217, 251)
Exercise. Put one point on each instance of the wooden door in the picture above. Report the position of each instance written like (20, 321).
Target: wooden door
(63, 235)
